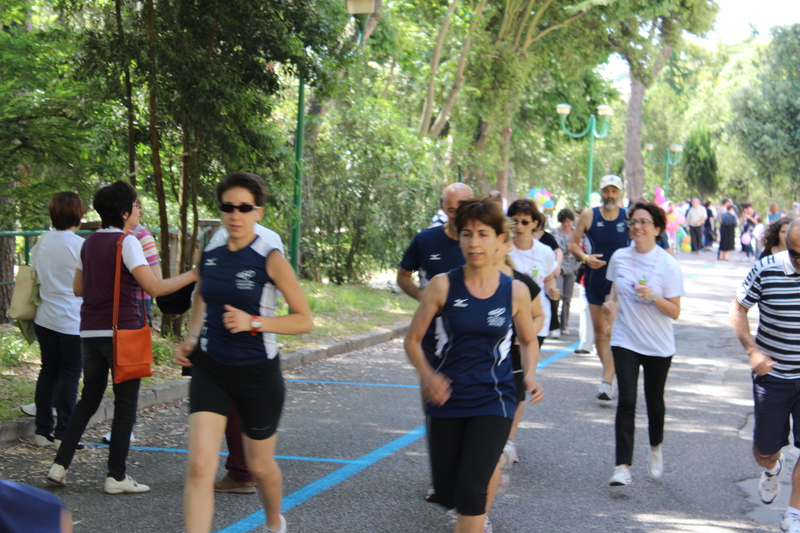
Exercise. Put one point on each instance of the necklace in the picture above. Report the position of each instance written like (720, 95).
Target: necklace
(642, 280)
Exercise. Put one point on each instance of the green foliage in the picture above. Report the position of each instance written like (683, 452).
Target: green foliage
(371, 184)
(700, 163)
(766, 111)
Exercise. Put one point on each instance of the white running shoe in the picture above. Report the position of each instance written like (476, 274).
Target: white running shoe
(620, 477)
(43, 440)
(57, 474)
(769, 485)
(655, 464)
(554, 334)
(604, 392)
(281, 528)
(487, 524)
(790, 523)
(509, 456)
(126, 486)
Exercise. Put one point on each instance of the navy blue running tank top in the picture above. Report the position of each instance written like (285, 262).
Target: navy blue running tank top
(475, 340)
(238, 278)
(606, 237)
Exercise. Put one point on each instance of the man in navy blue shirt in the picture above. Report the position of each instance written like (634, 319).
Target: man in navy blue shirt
(434, 250)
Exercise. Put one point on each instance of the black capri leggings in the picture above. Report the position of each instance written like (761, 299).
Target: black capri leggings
(464, 454)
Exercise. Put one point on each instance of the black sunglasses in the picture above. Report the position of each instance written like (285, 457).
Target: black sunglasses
(244, 208)
(523, 222)
(794, 255)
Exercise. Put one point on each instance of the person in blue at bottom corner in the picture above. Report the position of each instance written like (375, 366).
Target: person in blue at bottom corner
(605, 226)
(471, 394)
(233, 319)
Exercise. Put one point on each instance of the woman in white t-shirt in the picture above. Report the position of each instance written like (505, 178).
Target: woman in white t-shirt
(58, 318)
(645, 298)
(533, 258)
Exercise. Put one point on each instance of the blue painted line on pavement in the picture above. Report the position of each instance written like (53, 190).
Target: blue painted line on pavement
(695, 274)
(558, 355)
(309, 491)
(225, 454)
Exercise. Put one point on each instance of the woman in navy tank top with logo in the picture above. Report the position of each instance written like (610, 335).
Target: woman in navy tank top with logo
(233, 320)
(471, 394)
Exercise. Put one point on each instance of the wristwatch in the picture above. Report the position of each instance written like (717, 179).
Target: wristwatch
(255, 324)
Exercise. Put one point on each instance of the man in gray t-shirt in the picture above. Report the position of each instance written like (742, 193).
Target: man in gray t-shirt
(695, 218)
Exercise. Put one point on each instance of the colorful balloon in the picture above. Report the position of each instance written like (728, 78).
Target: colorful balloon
(595, 197)
(746, 238)
(659, 191)
(671, 217)
(660, 200)
(679, 218)
(672, 226)
(687, 239)
(686, 247)
(549, 204)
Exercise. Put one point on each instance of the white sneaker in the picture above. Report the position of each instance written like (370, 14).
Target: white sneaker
(554, 334)
(126, 486)
(487, 524)
(769, 485)
(29, 409)
(281, 529)
(604, 392)
(655, 463)
(620, 477)
(57, 474)
(509, 456)
(43, 440)
(790, 523)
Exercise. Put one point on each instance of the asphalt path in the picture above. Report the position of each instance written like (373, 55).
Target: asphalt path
(352, 447)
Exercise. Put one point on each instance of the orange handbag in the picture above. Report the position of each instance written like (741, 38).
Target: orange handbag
(133, 348)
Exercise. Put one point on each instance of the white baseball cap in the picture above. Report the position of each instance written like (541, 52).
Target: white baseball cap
(611, 180)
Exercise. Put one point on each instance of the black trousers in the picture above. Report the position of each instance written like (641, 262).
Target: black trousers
(697, 237)
(627, 363)
(464, 454)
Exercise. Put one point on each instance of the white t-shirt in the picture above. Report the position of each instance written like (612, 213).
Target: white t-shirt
(640, 326)
(538, 262)
(55, 258)
(272, 238)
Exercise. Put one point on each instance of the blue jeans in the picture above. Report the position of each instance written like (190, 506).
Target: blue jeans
(98, 356)
(57, 385)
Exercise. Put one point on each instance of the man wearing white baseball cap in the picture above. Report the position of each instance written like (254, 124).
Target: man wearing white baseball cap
(606, 228)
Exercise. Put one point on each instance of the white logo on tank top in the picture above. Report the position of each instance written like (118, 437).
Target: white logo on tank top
(211, 262)
(461, 302)
(436, 257)
(496, 317)
(243, 280)
(621, 227)
(600, 224)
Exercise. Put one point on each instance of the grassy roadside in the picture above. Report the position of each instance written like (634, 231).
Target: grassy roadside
(339, 312)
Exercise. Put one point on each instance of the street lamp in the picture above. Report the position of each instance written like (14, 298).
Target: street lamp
(605, 112)
(360, 9)
(672, 156)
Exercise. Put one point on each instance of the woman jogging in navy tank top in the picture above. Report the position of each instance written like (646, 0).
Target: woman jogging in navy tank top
(233, 320)
(471, 394)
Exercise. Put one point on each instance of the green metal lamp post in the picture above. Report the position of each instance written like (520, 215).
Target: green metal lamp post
(672, 156)
(359, 9)
(605, 112)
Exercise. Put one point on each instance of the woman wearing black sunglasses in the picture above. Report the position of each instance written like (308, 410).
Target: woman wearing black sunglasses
(238, 362)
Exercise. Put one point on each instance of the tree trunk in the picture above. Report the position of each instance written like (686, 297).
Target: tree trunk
(7, 250)
(634, 165)
(501, 176)
(427, 109)
(128, 98)
(184, 196)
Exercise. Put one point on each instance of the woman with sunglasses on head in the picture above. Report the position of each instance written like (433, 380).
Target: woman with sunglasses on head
(471, 395)
(233, 321)
(532, 257)
(646, 290)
